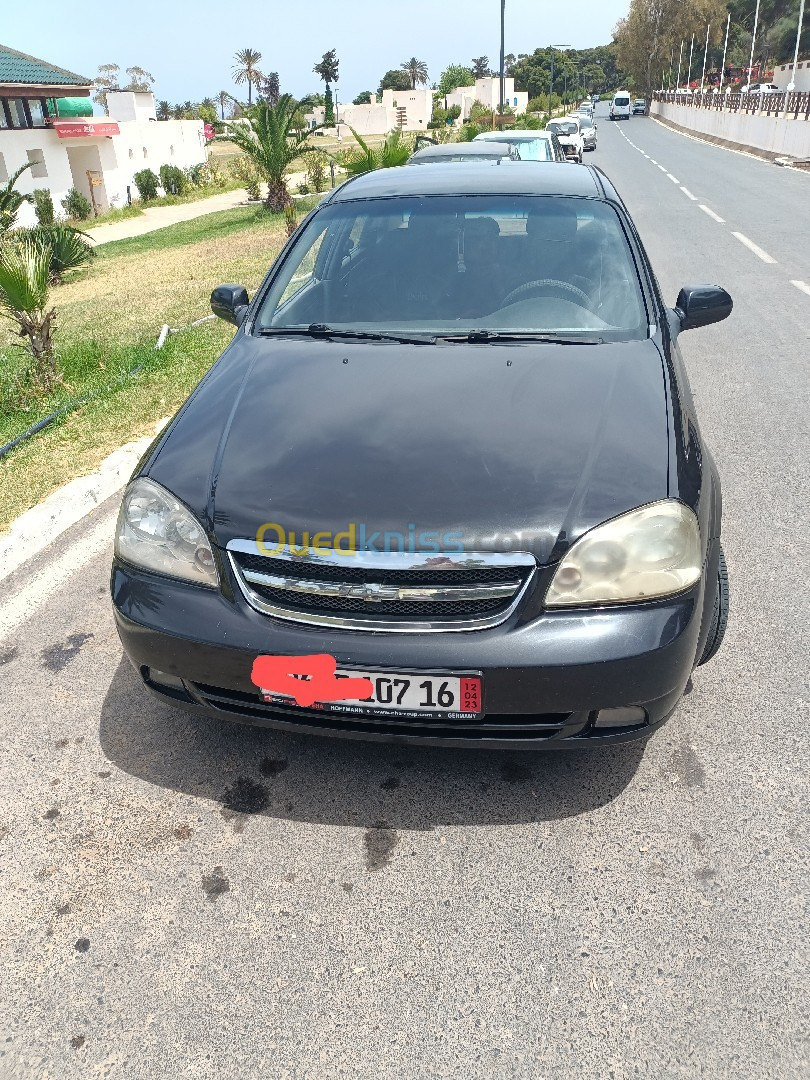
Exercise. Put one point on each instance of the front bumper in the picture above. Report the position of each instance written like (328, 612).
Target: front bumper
(544, 679)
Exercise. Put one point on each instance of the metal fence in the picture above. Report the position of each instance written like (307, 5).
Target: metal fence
(795, 105)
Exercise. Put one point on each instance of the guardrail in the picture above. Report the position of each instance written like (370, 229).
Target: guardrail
(795, 104)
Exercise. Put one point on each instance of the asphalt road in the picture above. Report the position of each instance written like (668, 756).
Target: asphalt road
(186, 898)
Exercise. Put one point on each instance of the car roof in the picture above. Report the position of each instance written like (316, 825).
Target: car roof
(512, 135)
(488, 149)
(478, 178)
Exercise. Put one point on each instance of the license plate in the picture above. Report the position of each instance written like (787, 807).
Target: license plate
(404, 695)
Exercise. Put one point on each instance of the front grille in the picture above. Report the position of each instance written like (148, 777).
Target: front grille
(518, 727)
(383, 591)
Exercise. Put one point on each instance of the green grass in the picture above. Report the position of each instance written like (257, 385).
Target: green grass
(110, 315)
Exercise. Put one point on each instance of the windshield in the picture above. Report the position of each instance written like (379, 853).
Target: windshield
(448, 263)
(621, 101)
(562, 127)
(534, 149)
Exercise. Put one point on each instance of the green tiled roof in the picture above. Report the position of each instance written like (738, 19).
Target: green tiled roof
(17, 67)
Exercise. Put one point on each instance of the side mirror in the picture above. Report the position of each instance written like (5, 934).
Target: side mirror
(230, 302)
(700, 305)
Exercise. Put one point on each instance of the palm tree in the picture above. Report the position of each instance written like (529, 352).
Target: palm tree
(327, 70)
(480, 67)
(222, 99)
(246, 70)
(163, 110)
(271, 142)
(25, 271)
(416, 70)
(11, 200)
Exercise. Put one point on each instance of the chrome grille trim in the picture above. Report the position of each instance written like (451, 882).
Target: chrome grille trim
(521, 563)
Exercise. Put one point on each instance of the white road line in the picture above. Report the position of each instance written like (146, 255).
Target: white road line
(674, 179)
(647, 156)
(766, 258)
(17, 608)
(663, 168)
(712, 215)
(653, 161)
(802, 286)
(688, 193)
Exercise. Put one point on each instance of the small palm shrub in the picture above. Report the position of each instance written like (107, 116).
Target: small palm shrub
(76, 206)
(362, 159)
(43, 206)
(173, 180)
(67, 248)
(147, 184)
(24, 297)
(11, 200)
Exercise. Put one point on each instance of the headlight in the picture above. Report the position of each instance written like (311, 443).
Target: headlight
(157, 532)
(649, 552)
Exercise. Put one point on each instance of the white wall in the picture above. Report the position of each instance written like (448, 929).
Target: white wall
(380, 117)
(782, 74)
(140, 145)
(776, 135)
(125, 105)
(488, 92)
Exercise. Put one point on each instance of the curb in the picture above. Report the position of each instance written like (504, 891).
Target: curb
(38, 527)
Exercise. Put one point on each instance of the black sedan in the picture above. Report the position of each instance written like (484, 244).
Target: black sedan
(446, 483)
(466, 151)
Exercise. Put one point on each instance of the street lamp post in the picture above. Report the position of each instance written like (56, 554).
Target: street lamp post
(705, 56)
(680, 58)
(689, 73)
(725, 46)
(753, 40)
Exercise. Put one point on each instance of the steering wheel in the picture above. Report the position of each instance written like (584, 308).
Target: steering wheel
(543, 284)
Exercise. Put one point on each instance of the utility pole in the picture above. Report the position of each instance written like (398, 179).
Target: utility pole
(680, 58)
(792, 83)
(691, 50)
(705, 55)
(753, 39)
(725, 46)
(503, 52)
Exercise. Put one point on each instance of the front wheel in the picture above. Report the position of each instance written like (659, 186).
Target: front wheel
(717, 629)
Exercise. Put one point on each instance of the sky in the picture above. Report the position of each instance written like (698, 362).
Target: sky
(189, 46)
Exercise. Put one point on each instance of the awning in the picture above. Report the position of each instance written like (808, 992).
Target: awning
(85, 129)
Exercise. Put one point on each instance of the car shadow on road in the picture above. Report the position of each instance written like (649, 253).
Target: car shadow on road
(331, 781)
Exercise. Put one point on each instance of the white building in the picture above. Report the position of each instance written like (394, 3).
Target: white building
(488, 92)
(407, 110)
(783, 73)
(97, 155)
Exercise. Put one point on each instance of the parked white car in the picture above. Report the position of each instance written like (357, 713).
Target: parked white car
(569, 132)
(531, 144)
(761, 88)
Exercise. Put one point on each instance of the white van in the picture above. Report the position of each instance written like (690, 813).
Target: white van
(620, 106)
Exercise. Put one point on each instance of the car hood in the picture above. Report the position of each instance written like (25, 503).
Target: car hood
(512, 446)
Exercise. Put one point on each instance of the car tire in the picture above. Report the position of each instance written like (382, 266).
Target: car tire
(717, 629)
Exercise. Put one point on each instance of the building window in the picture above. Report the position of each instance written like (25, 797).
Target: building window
(3, 169)
(3, 117)
(16, 109)
(145, 153)
(131, 152)
(36, 110)
(171, 151)
(38, 162)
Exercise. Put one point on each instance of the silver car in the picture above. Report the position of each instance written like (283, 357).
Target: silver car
(587, 128)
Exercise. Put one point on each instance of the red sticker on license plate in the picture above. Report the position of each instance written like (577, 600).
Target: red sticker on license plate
(470, 695)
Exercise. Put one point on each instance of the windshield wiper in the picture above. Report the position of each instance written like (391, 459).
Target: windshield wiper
(486, 337)
(318, 330)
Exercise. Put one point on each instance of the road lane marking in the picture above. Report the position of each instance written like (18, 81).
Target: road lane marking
(802, 286)
(19, 607)
(712, 215)
(674, 179)
(663, 168)
(688, 193)
(647, 156)
(653, 161)
(766, 258)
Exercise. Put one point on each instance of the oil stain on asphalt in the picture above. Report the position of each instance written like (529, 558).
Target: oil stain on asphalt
(57, 657)
(380, 841)
(215, 884)
(272, 766)
(245, 796)
(687, 765)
